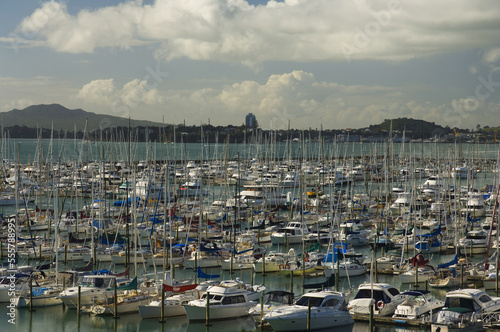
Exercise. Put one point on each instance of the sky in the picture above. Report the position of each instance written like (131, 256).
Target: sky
(311, 63)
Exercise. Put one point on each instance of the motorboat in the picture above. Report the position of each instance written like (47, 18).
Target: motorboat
(418, 304)
(173, 305)
(475, 207)
(92, 288)
(475, 242)
(474, 299)
(463, 309)
(238, 262)
(388, 263)
(223, 302)
(385, 297)
(274, 260)
(349, 267)
(328, 310)
(254, 292)
(270, 301)
(457, 319)
(293, 233)
(420, 274)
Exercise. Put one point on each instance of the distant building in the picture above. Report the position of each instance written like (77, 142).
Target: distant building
(250, 121)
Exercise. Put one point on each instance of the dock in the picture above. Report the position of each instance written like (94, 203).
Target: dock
(387, 320)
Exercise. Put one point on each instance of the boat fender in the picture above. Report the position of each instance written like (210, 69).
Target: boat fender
(380, 304)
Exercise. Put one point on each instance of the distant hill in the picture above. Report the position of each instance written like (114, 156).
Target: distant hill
(64, 119)
(412, 127)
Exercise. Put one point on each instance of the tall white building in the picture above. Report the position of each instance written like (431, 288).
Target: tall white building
(250, 121)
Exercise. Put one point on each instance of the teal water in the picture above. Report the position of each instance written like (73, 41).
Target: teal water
(60, 150)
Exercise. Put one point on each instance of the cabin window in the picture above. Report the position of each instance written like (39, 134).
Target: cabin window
(315, 301)
(239, 299)
(485, 298)
(453, 302)
(212, 297)
(99, 282)
(378, 295)
(393, 291)
(330, 303)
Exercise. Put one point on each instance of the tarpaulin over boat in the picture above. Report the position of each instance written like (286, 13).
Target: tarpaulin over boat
(202, 274)
(450, 263)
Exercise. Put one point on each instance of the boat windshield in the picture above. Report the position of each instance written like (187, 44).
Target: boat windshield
(212, 297)
(315, 301)
(453, 302)
(278, 298)
(93, 282)
(378, 295)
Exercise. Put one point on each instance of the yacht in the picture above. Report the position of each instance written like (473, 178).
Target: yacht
(328, 310)
(418, 304)
(349, 267)
(475, 242)
(174, 305)
(274, 261)
(293, 233)
(402, 203)
(238, 262)
(93, 287)
(224, 303)
(385, 297)
(463, 309)
(271, 301)
(463, 172)
(475, 207)
(354, 233)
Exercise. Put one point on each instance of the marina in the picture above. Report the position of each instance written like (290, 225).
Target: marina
(239, 221)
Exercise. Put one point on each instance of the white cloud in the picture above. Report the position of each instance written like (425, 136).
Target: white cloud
(132, 97)
(234, 31)
(17, 104)
(98, 91)
(297, 97)
(21, 92)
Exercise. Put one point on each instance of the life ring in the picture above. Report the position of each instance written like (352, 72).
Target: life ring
(287, 266)
(380, 304)
(281, 266)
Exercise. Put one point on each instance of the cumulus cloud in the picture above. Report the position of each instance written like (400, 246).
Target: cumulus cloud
(292, 30)
(299, 98)
(132, 94)
(17, 104)
(18, 93)
(296, 96)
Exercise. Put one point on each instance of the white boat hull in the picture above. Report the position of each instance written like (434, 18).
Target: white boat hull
(321, 318)
(218, 312)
